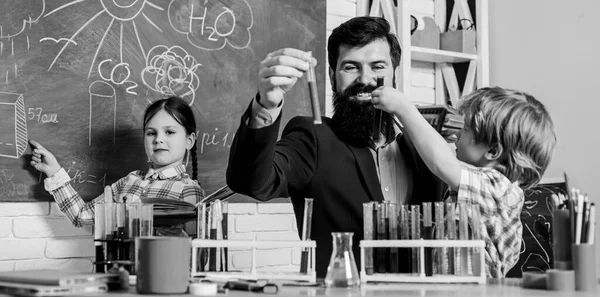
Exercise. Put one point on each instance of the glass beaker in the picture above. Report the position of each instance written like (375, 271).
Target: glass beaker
(342, 271)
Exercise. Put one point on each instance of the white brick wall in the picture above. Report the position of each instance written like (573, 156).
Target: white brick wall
(37, 235)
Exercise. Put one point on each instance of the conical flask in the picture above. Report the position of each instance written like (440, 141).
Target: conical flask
(342, 271)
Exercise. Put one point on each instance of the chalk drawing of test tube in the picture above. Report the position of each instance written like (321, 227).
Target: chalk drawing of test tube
(103, 113)
(13, 125)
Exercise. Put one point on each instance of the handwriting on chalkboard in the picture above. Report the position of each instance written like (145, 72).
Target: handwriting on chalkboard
(212, 25)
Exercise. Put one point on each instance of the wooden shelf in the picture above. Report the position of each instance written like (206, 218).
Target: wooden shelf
(439, 56)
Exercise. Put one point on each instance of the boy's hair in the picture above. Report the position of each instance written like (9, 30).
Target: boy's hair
(358, 32)
(519, 123)
(183, 114)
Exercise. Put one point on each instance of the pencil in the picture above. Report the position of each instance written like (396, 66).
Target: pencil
(314, 94)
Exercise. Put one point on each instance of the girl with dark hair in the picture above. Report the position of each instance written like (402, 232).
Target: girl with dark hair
(169, 138)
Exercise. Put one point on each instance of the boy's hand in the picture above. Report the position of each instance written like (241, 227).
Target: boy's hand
(389, 99)
(43, 160)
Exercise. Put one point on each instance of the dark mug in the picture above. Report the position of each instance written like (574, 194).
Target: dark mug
(162, 264)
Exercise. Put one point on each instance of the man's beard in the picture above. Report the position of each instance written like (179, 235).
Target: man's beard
(353, 119)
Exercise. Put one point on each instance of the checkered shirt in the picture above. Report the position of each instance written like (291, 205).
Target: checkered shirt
(171, 182)
(500, 202)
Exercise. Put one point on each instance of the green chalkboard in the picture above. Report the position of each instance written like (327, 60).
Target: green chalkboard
(77, 75)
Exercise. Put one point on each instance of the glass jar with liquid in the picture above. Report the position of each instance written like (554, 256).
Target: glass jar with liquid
(342, 271)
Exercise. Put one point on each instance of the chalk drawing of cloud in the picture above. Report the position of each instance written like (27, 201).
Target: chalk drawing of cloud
(171, 71)
(212, 24)
(18, 15)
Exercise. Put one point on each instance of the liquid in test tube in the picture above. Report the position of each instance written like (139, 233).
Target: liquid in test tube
(415, 234)
(440, 265)
(377, 118)
(314, 94)
(368, 235)
(428, 234)
(306, 228)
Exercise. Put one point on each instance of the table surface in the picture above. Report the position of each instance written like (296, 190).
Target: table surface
(496, 288)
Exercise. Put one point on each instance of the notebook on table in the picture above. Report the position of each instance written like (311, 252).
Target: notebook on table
(25, 289)
(49, 277)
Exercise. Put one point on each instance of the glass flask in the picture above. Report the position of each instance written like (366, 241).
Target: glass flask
(342, 271)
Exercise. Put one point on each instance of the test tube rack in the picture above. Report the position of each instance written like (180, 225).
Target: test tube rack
(421, 244)
(254, 245)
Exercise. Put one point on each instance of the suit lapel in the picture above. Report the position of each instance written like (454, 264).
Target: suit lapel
(367, 169)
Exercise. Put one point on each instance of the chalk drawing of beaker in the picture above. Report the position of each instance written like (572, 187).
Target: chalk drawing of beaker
(103, 113)
(13, 125)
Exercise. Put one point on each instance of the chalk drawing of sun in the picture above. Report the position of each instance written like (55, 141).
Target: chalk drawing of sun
(122, 13)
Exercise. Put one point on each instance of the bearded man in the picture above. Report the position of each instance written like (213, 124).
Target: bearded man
(337, 163)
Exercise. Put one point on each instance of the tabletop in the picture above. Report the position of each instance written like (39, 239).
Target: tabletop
(500, 289)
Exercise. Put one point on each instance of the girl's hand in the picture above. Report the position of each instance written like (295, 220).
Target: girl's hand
(43, 160)
(389, 99)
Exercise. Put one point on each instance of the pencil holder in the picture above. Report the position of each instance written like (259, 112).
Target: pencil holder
(561, 239)
(584, 264)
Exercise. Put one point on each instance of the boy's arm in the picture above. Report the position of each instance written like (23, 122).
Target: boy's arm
(430, 145)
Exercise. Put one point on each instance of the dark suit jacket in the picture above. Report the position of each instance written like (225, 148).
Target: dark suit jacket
(310, 161)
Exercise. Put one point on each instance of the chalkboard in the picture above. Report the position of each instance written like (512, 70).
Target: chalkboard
(77, 75)
(537, 253)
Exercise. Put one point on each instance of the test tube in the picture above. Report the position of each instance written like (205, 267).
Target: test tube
(378, 116)
(451, 235)
(122, 253)
(428, 234)
(476, 235)
(382, 260)
(393, 235)
(147, 219)
(202, 235)
(441, 262)
(314, 94)
(405, 231)
(463, 234)
(306, 228)
(212, 262)
(134, 211)
(415, 234)
(225, 230)
(109, 224)
(99, 235)
(368, 235)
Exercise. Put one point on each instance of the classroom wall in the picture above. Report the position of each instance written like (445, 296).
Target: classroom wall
(38, 235)
(550, 49)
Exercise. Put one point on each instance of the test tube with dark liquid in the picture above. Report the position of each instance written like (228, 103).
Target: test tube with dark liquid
(427, 233)
(382, 259)
(306, 231)
(368, 235)
(314, 93)
(405, 232)
(99, 235)
(377, 118)
(393, 235)
(134, 214)
(225, 229)
(415, 234)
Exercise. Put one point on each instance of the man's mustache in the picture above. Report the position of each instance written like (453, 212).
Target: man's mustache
(357, 88)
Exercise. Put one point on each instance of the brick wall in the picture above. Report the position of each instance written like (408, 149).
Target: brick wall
(38, 235)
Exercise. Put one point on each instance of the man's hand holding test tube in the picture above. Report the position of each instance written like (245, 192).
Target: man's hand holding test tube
(280, 71)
